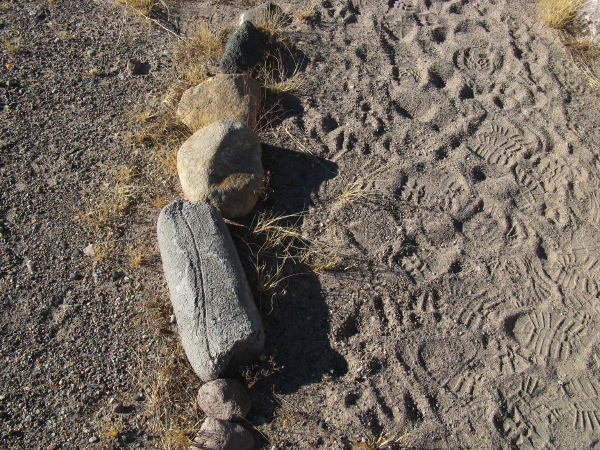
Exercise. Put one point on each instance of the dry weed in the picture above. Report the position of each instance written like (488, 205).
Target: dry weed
(304, 14)
(115, 201)
(581, 47)
(380, 442)
(197, 56)
(559, 14)
(272, 245)
(281, 69)
(320, 258)
(357, 190)
(170, 387)
(272, 76)
(112, 429)
(272, 24)
(12, 45)
(104, 250)
(277, 251)
(144, 7)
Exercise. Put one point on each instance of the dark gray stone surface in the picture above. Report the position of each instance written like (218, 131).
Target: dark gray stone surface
(245, 48)
(219, 324)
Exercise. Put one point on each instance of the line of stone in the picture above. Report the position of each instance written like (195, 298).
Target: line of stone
(221, 175)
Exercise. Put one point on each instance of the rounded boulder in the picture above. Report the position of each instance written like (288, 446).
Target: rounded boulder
(218, 434)
(225, 399)
(221, 164)
(224, 96)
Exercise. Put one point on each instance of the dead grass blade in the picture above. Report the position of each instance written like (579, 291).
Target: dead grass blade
(197, 56)
(559, 14)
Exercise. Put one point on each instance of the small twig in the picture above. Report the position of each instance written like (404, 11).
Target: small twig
(157, 22)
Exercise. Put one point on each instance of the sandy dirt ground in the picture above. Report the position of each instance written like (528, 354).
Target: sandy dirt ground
(448, 148)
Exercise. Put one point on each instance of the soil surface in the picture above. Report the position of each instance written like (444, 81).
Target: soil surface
(449, 149)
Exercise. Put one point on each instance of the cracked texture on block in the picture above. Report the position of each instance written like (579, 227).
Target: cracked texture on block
(219, 324)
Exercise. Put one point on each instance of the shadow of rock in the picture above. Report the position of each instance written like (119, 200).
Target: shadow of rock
(294, 177)
(297, 326)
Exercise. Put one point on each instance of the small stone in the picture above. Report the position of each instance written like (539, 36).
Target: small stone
(245, 48)
(93, 439)
(224, 399)
(218, 434)
(221, 164)
(89, 250)
(140, 397)
(116, 275)
(225, 96)
(218, 322)
(52, 447)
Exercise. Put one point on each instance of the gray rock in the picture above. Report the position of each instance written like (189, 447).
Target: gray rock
(221, 164)
(588, 20)
(218, 434)
(218, 322)
(224, 399)
(266, 13)
(245, 48)
(224, 96)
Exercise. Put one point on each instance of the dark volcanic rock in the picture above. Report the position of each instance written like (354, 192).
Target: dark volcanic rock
(245, 48)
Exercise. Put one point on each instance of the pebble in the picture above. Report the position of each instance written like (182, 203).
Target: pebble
(93, 439)
(74, 276)
(222, 435)
(116, 275)
(224, 399)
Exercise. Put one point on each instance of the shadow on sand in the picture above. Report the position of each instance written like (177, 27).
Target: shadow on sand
(297, 349)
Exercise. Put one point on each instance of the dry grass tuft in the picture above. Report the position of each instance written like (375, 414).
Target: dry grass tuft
(274, 77)
(161, 133)
(559, 14)
(272, 244)
(277, 251)
(112, 429)
(198, 56)
(170, 388)
(104, 250)
(146, 8)
(106, 211)
(357, 190)
(12, 45)
(380, 442)
(324, 258)
(304, 14)
(272, 24)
